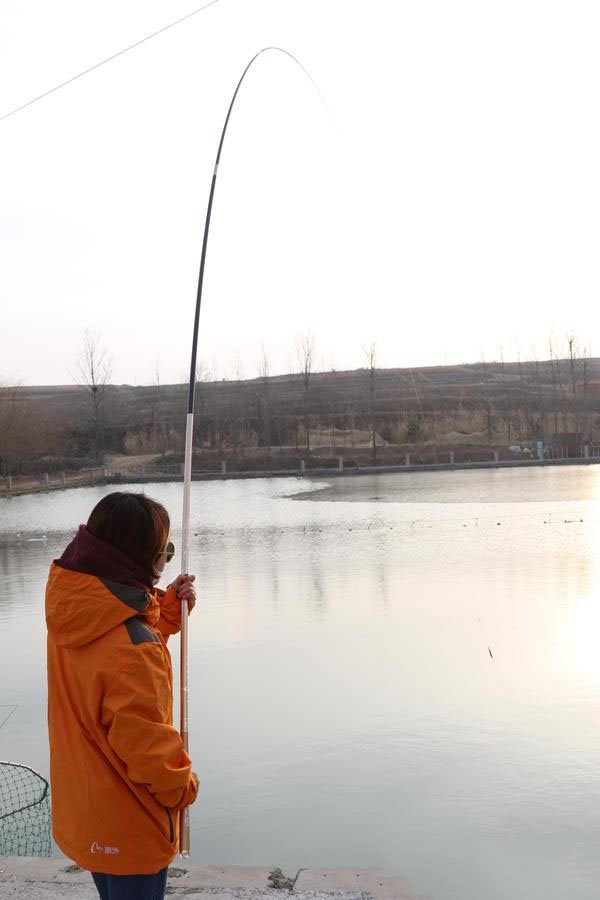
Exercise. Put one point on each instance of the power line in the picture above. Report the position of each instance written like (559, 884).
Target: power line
(103, 62)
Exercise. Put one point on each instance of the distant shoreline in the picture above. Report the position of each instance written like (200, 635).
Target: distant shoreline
(347, 472)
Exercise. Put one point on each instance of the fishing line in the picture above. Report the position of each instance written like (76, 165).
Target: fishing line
(7, 717)
(108, 59)
(487, 643)
(184, 831)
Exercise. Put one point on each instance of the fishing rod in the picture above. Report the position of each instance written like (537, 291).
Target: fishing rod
(184, 825)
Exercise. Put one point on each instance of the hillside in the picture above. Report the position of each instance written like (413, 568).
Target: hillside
(491, 403)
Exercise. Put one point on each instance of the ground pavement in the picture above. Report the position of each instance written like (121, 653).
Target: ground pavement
(24, 878)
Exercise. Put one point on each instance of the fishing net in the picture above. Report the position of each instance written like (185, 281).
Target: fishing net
(24, 812)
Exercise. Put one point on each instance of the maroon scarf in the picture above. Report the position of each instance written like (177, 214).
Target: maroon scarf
(90, 555)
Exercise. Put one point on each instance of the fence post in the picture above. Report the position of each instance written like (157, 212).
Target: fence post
(223, 467)
(46, 478)
(63, 478)
(496, 456)
(452, 457)
(9, 482)
(302, 467)
(340, 463)
(586, 451)
(407, 459)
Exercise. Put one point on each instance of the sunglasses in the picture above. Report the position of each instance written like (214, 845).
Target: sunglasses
(169, 551)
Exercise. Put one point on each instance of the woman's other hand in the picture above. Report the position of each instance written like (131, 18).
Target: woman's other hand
(184, 588)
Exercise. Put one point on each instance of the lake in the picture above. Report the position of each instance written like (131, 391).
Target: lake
(392, 671)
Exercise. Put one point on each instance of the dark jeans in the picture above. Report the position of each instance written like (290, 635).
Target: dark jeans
(131, 887)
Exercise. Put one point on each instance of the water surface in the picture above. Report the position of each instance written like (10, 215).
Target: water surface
(345, 710)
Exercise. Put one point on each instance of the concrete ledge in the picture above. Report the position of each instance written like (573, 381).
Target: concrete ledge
(25, 878)
(332, 472)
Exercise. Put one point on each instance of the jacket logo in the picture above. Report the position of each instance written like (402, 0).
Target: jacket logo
(98, 848)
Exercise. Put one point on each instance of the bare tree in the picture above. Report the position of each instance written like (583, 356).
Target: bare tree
(14, 443)
(524, 404)
(586, 406)
(579, 375)
(161, 425)
(506, 396)
(240, 429)
(305, 351)
(371, 357)
(553, 371)
(264, 373)
(541, 431)
(487, 404)
(238, 366)
(204, 376)
(573, 375)
(95, 369)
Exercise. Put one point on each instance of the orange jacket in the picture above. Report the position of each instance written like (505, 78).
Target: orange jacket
(118, 769)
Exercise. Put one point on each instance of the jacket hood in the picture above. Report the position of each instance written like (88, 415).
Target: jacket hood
(88, 553)
(81, 608)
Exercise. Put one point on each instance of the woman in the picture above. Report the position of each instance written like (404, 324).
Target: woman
(119, 773)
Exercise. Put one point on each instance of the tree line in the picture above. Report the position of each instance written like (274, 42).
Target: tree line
(306, 412)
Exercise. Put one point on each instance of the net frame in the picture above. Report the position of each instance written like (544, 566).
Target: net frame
(24, 811)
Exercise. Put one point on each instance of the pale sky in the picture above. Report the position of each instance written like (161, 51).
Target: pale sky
(445, 205)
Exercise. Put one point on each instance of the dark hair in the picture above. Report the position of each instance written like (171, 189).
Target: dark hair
(133, 523)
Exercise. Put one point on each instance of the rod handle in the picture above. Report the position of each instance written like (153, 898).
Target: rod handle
(184, 833)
